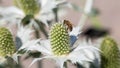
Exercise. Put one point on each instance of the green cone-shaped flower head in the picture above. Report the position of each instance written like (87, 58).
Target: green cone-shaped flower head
(7, 47)
(30, 7)
(110, 54)
(59, 39)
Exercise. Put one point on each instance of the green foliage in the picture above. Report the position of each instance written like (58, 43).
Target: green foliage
(110, 57)
(59, 39)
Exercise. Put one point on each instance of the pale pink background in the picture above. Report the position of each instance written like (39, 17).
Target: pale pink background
(109, 17)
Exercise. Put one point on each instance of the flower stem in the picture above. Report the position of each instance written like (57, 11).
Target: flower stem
(87, 10)
(65, 65)
(55, 10)
(19, 63)
(39, 64)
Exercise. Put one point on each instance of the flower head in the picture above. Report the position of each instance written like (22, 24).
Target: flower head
(58, 48)
(110, 54)
(30, 7)
(59, 39)
(7, 47)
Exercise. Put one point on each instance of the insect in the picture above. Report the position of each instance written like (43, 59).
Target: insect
(68, 24)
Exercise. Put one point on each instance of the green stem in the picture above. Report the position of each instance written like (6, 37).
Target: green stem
(55, 10)
(19, 63)
(65, 65)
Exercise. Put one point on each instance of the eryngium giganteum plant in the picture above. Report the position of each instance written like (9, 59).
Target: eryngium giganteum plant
(59, 39)
(110, 57)
(30, 7)
(57, 48)
(7, 47)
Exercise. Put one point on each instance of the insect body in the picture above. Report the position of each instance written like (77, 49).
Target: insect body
(68, 24)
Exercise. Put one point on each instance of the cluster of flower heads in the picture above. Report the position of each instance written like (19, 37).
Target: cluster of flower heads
(61, 44)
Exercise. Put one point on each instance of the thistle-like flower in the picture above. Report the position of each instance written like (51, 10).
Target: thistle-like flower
(7, 47)
(45, 14)
(110, 54)
(59, 39)
(58, 48)
(30, 7)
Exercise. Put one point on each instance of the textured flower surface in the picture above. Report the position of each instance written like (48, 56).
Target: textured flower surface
(7, 46)
(58, 48)
(110, 54)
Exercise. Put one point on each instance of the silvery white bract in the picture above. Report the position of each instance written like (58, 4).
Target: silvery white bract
(7, 46)
(25, 34)
(13, 14)
(83, 52)
(10, 15)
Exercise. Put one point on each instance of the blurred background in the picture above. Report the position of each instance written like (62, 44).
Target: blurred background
(109, 15)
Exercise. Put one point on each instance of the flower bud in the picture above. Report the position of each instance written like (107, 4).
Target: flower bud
(110, 57)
